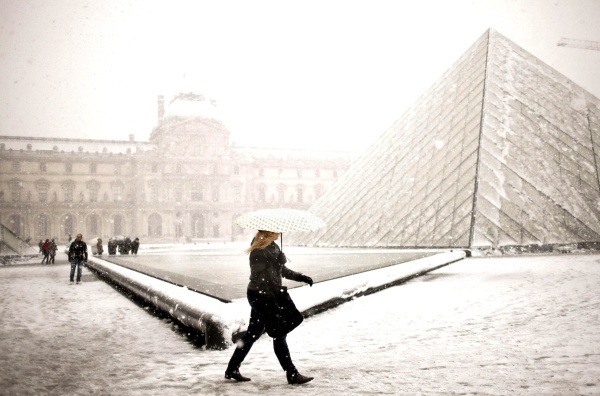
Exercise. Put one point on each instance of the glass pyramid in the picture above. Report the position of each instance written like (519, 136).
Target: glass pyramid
(501, 150)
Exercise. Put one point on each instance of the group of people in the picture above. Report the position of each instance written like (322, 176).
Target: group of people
(125, 246)
(48, 249)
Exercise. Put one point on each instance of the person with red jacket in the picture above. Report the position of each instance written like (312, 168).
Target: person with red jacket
(46, 252)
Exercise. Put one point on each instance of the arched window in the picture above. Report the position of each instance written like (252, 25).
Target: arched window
(118, 225)
(197, 226)
(68, 225)
(154, 225)
(43, 226)
(93, 226)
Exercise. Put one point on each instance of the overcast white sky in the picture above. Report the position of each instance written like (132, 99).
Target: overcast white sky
(322, 74)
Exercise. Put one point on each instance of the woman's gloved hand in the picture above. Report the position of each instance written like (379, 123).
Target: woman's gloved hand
(307, 279)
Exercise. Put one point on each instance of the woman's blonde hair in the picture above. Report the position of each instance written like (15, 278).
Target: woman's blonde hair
(262, 239)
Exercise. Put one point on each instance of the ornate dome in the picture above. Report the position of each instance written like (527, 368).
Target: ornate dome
(191, 105)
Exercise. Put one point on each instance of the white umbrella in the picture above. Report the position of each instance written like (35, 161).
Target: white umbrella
(280, 220)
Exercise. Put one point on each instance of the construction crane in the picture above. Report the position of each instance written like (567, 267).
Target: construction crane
(586, 44)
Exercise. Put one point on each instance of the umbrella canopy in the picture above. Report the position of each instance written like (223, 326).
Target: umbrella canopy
(280, 220)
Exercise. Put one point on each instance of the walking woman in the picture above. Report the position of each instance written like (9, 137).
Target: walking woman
(270, 312)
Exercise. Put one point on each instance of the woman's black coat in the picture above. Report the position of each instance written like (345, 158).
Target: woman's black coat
(267, 268)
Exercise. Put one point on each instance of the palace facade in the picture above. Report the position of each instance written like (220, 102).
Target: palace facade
(186, 183)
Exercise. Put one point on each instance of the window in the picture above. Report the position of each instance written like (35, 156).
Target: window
(69, 195)
(261, 172)
(42, 167)
(300, 194)
(154, 168)
(117, 192)
(42, 187)
(43, 225)
(281, 193)
(262, 194)
(117, 169)
(196, 196)
(319, 190)
(93, 168)
(197, 226)
(118, 225)
(215, 193)
(236, 170)
(154, 192)
(178, 194)
(93, 225)
(16, 166)
(68, 224)
(237, 193)
(93, 186)
(68, 167)
(154, 225)
(16, 196)
(317, 173)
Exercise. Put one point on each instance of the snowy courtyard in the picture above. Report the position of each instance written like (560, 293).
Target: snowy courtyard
(524, 325)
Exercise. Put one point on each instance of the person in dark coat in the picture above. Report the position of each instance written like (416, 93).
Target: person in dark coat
(53, 249)
(112, 246)
(77, 256)
(267, 268)
(135, 246)
(99, 248)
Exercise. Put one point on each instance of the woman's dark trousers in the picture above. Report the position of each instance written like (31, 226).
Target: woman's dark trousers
(260, 304)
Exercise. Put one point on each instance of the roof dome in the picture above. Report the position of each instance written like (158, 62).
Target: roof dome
(191, 105)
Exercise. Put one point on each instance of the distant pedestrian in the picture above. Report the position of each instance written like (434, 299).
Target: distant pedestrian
(135, 245)
(99, 248)
(40, 244)
(112, 246)
(126, 245)
(77, 256)
(53, 249)
(272, 308)
(46, 251)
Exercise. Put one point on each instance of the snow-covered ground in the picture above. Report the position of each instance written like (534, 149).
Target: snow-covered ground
(494, 326)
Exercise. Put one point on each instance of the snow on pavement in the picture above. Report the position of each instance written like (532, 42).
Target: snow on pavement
(523, 325)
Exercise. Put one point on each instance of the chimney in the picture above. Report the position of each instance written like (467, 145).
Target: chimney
(161, 108)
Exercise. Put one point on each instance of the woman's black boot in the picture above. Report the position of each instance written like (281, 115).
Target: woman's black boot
(235, 374)
(295, 378)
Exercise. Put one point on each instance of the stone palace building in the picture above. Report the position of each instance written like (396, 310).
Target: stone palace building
(186, 183)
